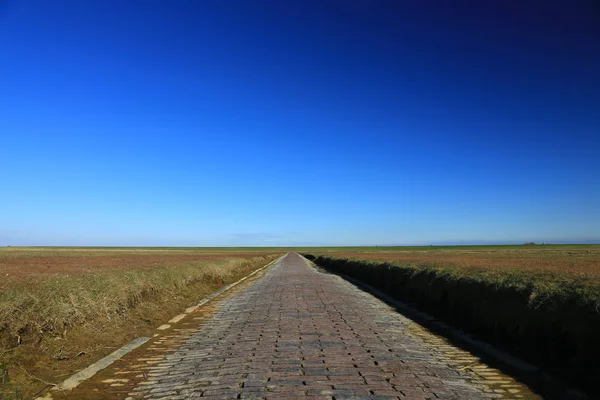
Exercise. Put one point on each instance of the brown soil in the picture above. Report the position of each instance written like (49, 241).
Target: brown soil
(22, 265)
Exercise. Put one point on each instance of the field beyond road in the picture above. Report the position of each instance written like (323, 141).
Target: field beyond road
(62, 309)
(563, 259)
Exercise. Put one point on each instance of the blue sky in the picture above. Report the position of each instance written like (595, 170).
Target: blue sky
(299, 123)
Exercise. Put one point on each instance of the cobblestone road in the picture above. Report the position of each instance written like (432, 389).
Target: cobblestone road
(297, 333)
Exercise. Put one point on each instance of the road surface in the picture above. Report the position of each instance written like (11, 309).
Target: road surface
(294, 332)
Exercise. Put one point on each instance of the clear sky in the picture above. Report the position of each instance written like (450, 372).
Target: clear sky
(299, 122)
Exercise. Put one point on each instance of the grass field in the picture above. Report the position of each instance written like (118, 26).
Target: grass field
(550, 269)
(63, 308)
(541, 302)
(561, 258)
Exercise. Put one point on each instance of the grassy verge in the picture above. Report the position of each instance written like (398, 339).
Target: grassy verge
(53, 324)
(549, 317)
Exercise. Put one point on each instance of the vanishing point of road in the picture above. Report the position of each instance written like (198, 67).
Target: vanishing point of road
(294, 332)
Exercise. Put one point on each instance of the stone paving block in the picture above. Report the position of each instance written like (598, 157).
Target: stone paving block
(372, 397)
(298, 333)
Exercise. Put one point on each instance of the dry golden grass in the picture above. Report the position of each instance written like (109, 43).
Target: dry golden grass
(548, 269)
(64, 309)
(576, 259)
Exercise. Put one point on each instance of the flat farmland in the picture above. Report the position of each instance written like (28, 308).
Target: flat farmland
(547, 269)
(63, 308)
(563, 259)
(20, 261)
